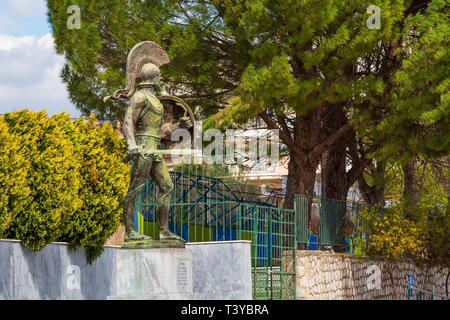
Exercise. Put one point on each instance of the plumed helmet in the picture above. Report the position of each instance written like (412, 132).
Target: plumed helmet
(149, 74)
(146, 52)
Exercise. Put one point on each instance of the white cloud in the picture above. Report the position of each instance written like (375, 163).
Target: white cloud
(7, 22)
(30, 75)
(25, 8)
(8, 42)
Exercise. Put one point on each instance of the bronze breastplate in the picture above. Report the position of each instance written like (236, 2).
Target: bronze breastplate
(150, 119)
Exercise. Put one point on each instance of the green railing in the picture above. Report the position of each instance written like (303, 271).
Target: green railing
(420, 294)
(204, 203)
(273, 250)
(209, 204)
(332, 231)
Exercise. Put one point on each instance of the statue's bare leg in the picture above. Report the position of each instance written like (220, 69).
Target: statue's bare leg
(139, 174)
(161, 176)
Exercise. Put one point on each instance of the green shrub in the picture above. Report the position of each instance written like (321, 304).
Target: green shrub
(52, 178)
(390, 235)
(13, 179)
(61, 181)
(104, 179)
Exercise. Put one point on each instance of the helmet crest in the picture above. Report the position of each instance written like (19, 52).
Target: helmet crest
(147, 52)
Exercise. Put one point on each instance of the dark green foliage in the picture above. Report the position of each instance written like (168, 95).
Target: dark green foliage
(289, 56)
(417, 118)
(294, 63)
(438, 238)
(216, 45)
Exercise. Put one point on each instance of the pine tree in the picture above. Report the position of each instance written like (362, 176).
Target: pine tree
(412, 117)
(417, 119)
(292, 63)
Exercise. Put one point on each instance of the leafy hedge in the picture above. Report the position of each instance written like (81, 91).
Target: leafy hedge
(14, 190)
(60, 180)
(390, 234)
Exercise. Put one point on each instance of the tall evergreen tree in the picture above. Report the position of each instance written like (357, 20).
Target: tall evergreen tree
(412, 117)
(416, 122)
(292, 63)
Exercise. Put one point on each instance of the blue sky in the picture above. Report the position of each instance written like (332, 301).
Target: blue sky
(29, 65)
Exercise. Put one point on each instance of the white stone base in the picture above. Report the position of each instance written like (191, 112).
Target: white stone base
(222, 270)
(214, 270)
(159, 273)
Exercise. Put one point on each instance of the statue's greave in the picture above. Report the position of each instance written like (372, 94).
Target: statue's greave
(162, 209)
(129, 205)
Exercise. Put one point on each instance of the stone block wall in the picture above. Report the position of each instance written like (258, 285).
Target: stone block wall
(325, 275)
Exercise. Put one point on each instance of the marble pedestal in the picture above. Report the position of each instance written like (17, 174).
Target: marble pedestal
(208, 270)
(153, 274)
(221, 270)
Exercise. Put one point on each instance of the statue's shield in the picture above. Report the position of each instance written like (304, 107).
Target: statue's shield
(175, 111)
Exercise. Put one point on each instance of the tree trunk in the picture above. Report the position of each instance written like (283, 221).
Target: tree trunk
(333, 166)
(333, 173)
(301, 177)
(306, 144)
(410, 188)
(303, 165)
(300, 180)
(374, 195)
(334, 176)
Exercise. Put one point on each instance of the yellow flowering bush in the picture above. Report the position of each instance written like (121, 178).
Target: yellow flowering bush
(390, 235)
(60, 180)
(104, 179)
(52, 178)
(14, 191)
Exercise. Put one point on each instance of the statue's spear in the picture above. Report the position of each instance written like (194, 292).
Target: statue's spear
(147, 153)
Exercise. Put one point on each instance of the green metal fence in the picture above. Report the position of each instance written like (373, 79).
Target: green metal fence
(332, 229)
(273, 250)
(210, 204)
(204, 204)
(420, 294)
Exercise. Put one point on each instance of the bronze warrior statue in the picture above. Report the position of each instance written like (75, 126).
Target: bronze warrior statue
(141, 130)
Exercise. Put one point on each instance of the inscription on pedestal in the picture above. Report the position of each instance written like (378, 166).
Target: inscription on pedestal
(183, 282)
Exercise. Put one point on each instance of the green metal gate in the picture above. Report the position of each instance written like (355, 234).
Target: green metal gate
(273, 236)
(331, 226)
(271, 230)
(208, 204)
